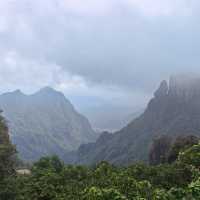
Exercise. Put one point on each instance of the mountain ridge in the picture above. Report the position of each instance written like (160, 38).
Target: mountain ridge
(174, 110)
(44, 123)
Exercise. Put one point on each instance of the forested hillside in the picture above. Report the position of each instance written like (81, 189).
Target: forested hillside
(50, 179)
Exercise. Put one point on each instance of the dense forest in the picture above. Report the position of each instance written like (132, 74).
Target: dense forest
(173, 174)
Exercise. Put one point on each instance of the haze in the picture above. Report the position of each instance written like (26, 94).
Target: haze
(104, 55)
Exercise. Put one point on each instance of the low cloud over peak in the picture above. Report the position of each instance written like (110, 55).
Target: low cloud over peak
(111, 51)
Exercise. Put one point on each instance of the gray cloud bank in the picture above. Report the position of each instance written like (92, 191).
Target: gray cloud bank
(106, 51)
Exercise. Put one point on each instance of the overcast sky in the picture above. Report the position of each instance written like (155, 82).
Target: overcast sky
(97, 52)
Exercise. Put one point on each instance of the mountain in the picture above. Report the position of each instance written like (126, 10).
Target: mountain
(174, 110)
(44, 123)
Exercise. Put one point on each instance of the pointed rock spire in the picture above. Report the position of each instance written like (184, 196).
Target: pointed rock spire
(162, 90)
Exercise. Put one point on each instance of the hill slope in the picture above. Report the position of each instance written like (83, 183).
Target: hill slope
(44, 123)
(174, 110)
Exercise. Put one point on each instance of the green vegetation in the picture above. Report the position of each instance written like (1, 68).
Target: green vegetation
(166, 149)
(7, 151)
(51, 179)
(7, 161)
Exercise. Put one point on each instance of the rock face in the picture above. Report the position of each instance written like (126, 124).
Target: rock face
(162, 90)
(44, 123)
(174, 110)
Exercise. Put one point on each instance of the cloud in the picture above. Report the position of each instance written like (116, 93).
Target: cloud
(157, 8)
(147, 8)
(29, 75)
(19, 73)
(87, 7)
(105, 49)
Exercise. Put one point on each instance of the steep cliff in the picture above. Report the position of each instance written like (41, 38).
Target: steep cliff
(174, 110)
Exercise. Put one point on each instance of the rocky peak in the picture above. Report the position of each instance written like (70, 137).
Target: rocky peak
(174, 111)
(47, 91)
(15, 93)
(18, 92)
(162, 90)
(182, 94)
(184, 86)
(49, 94)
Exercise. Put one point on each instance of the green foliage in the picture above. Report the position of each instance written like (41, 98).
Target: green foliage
(7, 151)
(162, 176)
(191, 156)
(164, 150)
(50, 179)
(181, 143)
(194, 189)
(48, 163)
(94, 193)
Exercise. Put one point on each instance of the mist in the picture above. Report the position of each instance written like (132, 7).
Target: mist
(108, 55)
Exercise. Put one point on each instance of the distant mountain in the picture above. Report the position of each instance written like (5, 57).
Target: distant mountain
(44, 123)
(174, 110)
(112, 118)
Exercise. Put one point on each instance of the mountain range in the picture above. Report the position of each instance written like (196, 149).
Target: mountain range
(44, 123)
(174, 110)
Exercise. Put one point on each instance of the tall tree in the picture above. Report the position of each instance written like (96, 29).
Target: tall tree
(7, 151)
